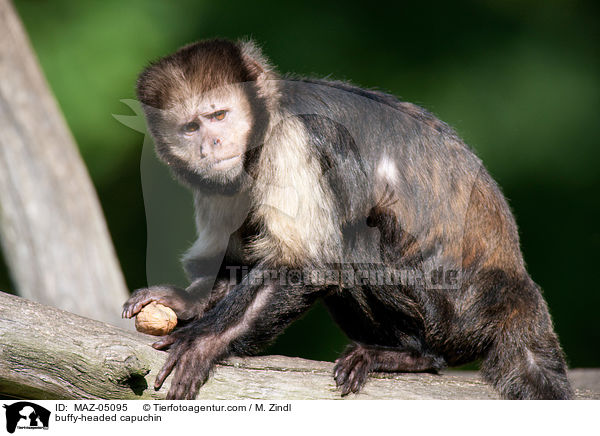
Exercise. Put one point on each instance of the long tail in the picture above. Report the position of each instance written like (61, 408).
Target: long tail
(525, 360)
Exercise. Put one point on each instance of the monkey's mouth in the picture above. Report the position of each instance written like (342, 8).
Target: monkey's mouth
(226, 163)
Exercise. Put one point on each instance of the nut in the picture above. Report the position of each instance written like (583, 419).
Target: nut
(156, 319)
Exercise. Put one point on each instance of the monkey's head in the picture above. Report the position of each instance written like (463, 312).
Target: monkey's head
(206, 107)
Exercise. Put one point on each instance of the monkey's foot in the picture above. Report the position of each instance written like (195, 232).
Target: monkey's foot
(352, 369)
(354, 365)
(177, 299)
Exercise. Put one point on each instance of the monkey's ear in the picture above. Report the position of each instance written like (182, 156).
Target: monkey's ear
(255, 62)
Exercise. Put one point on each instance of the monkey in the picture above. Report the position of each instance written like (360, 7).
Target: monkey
(415, 247)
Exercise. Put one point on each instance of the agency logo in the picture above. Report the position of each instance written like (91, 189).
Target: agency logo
(26, 415)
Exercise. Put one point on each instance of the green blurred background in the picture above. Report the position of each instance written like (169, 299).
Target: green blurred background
(518, 79)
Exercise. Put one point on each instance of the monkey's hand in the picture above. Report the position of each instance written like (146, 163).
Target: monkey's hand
(185, 305)
(192, 356)
(245, 318)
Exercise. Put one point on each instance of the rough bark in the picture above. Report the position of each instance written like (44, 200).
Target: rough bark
(51, 354)
(52, 230)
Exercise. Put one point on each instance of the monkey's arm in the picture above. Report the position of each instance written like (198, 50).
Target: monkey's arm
(250, 315)
(205, 290)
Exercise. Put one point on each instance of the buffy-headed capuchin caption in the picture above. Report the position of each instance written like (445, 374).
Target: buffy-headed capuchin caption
(308, 189)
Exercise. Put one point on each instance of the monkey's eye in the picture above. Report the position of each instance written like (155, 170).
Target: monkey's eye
(190, 127)
(218, 115)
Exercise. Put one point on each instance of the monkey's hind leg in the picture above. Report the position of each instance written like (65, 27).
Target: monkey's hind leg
(356, 363)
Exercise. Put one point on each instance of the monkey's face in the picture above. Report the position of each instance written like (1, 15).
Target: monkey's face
(204, 137)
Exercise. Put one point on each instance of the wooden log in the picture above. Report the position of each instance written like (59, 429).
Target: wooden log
(52, 229)
(48, 353)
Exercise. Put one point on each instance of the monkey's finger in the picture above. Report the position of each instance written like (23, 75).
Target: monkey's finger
(164, 342)
(136, 308)
(195, 387)
(167, 296)
(130, 309)
(166, 370)
(185, 390)
(135, 303)
(185, 384)
(177, 390)
(126, 310)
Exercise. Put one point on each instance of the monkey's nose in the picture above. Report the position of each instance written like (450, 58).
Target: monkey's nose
(204, 150)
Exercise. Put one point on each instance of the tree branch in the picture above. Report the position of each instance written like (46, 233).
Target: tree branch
(51, 354)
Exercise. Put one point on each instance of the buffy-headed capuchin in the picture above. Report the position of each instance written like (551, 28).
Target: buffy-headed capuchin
(311, 189)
